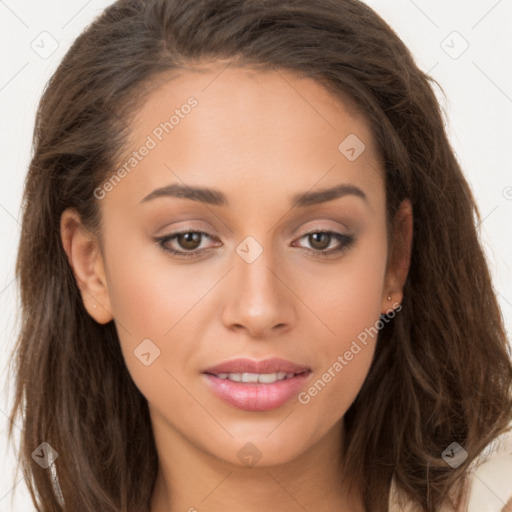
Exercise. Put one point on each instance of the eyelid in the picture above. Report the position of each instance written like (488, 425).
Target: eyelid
(297, 232)
(323, 221)
(185, 227)
(317, 226)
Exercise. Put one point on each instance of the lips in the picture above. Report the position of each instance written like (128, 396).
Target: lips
(274, 365)
(282, 380)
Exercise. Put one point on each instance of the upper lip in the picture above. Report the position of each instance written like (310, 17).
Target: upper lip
(273, 365)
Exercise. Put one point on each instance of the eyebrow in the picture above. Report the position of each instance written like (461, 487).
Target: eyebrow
(217, 198)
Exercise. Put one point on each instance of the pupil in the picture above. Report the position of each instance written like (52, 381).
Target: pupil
(315, 237)
(190, 238)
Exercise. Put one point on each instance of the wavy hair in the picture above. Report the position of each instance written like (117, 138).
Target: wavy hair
(441, 370)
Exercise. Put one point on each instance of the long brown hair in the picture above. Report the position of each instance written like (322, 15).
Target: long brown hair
(441, 371)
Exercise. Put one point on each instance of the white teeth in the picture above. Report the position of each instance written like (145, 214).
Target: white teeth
(262, 378)
(269, 378)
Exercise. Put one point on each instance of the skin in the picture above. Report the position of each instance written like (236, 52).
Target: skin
(259, 137)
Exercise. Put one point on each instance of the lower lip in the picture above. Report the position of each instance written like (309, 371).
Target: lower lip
(255, 396)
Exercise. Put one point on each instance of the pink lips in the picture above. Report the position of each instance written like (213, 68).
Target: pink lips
(257, 396)
(273, 365)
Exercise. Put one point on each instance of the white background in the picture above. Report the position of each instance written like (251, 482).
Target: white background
(478, 106)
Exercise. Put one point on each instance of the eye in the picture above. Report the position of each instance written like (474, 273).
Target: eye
(187, 240)
(190, 241)
(321, 240)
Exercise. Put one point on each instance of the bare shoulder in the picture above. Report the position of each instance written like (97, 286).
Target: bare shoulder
(491, 477)
(488, 487)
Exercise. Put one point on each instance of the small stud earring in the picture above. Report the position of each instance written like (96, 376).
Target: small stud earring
(389, 297)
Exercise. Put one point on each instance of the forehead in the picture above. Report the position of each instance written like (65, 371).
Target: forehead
(278, 98)
(216, 124)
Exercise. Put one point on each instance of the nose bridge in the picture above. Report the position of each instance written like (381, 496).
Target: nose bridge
(258, 300)
(256, 267)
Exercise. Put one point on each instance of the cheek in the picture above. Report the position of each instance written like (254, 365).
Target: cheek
(159, 306)
(148, 293)
(150, 316)
(349, 304)
(148, 302)
(348, 296)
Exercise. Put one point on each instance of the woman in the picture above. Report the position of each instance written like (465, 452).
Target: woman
(250, 273)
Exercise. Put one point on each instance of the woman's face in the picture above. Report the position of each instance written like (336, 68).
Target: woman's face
(261, 281)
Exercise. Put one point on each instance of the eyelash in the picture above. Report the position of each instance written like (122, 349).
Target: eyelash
(347, 241)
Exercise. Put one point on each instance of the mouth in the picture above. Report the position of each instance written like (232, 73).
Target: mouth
(260, 378)
(256, 386)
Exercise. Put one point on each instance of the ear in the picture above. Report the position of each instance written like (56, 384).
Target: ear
(399, 258)
(84, 256)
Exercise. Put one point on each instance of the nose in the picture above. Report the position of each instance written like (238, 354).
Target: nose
(258, 298)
